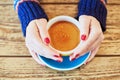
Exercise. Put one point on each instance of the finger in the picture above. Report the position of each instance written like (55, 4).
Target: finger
(93, 53)
(46, 52)
(33, 40)
(84, 27)
(96, 43)
(35, 57)
(41, 23)
(32, 31)
(43, 50)
(93, 37)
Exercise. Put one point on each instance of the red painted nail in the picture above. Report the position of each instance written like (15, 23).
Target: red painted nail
(86, 63)
(57, 56)
(59, 61)
(47, 40)
(77, 55)
(73, 59)
(83, 37)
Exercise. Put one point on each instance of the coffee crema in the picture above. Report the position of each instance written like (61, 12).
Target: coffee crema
(64, 35)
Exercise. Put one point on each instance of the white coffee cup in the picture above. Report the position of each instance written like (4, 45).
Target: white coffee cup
(68, 19)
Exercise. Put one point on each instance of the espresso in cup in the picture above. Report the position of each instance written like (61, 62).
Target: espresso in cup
(64, 35)
(64, 32)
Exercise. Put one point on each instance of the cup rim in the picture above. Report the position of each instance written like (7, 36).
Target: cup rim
(63, 18)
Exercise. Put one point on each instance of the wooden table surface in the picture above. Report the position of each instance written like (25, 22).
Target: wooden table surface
(17, 64)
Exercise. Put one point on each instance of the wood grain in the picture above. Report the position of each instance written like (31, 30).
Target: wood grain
(17, 64)
(10, 31)
(58, 1)
(24, 68)
(55, 10)
(12, 36)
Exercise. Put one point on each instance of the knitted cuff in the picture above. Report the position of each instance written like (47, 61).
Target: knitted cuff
(28, 11)
(93, 8)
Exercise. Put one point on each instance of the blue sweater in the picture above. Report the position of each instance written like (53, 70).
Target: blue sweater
(29, 10)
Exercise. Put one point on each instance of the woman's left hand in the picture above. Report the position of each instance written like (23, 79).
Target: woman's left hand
(91, 37)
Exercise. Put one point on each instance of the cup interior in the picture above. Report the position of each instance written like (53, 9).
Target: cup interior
(68, 19)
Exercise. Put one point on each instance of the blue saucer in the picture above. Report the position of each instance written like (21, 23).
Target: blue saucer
(66, 64)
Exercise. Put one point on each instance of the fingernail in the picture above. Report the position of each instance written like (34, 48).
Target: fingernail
(73, 59)
(86, 63)
(57, 56)
(83, 37)
(47, 40)
(59, 61)
(77, 55)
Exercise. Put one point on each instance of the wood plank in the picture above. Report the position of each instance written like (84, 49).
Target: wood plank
(58, 1)
(10, 29)
(53, 10)
(12, 36)
(12, 48)
(25, 68)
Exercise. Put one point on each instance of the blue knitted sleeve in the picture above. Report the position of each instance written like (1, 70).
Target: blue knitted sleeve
(93, 8)
(28, 11)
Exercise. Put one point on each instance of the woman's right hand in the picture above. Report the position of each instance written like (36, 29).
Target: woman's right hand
(37, 41)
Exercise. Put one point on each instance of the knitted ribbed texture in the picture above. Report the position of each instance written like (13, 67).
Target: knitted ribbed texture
(93, 8)
(28, 11)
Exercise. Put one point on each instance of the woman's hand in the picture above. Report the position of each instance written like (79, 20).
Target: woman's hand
(91, 37)
(37, 41)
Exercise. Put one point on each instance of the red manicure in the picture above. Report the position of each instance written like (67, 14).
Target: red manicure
(86, 63)
(47, 40)
(77, 55)
(83, 37)
(57, 56)
(73, 59)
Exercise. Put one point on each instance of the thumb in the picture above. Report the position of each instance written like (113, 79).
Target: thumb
(41, 23)
(84, 33)
(84, 27)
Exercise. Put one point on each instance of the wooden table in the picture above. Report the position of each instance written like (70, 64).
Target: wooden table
(17, 64)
